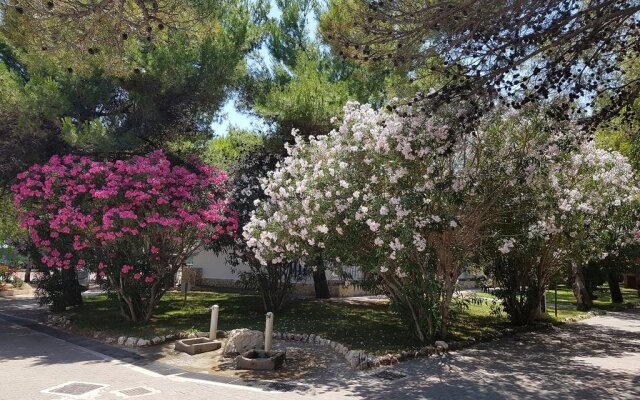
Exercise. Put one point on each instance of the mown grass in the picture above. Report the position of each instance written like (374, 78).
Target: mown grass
(374, 327)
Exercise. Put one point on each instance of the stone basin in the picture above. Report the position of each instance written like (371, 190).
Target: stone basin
(261, 360)
(197, 345)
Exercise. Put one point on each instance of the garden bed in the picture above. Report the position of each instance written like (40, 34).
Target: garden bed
(371, 327)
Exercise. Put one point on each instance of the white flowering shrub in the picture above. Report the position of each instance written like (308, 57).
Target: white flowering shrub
(597, 197)
(397, 197)
(582, 210)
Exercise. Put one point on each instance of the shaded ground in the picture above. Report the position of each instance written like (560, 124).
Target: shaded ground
(304, 362)
(598, 358)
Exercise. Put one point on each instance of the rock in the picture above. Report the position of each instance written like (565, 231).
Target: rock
(312, 338)
(143, 342)
(353, 358)
(96, 335)
(122, 339)
(441, 345)
(131, 342)
(110, 340)
(242, 340)
(157, 340)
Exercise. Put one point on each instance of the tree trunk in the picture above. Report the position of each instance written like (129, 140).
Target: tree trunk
(583, 300)
(72, 290)
(541, 309)
(27, 274)
(614, 288)
(448, 289)
(320, 281)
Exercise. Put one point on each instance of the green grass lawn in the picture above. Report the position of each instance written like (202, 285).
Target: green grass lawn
(602, 301)
(372, 327)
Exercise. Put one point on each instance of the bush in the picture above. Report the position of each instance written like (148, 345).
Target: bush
(18, 283)
(4, 273)
(520, 288)
(59, 290)
(132, 222)
(274, 283)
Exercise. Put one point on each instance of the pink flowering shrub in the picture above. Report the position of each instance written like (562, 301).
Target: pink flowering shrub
(132, 222)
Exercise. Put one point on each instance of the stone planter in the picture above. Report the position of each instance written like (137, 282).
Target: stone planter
(260, 360)
(197, 345)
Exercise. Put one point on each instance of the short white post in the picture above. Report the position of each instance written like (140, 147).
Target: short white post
(268, 332)
(213, 328)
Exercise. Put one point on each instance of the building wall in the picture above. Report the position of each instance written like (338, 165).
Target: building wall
(216, 272)
(215, 266)
(632, 281)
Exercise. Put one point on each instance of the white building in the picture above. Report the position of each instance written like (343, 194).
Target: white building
(212, 270)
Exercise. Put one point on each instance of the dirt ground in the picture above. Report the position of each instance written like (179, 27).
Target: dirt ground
(304, 361)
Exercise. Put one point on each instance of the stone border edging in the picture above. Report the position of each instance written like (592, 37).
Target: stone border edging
(360, 359)
(63, 322)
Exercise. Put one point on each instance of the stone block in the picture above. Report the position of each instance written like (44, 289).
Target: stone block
(261, 360)
(197, 345)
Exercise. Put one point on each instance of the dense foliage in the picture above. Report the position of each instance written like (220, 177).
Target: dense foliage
(496, 53)
(394, 196)
(132, 222)
(114, 100)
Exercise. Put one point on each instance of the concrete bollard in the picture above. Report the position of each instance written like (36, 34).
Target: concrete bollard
(268, 332)
(213, 328)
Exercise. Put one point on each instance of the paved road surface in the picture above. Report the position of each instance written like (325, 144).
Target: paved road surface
(596, 359)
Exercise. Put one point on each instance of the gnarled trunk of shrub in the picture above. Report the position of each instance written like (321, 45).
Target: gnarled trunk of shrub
(273, 282)
(416, 299)
(521, 280)
(138, 305)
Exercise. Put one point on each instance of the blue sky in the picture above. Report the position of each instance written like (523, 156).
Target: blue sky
(230, 115)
